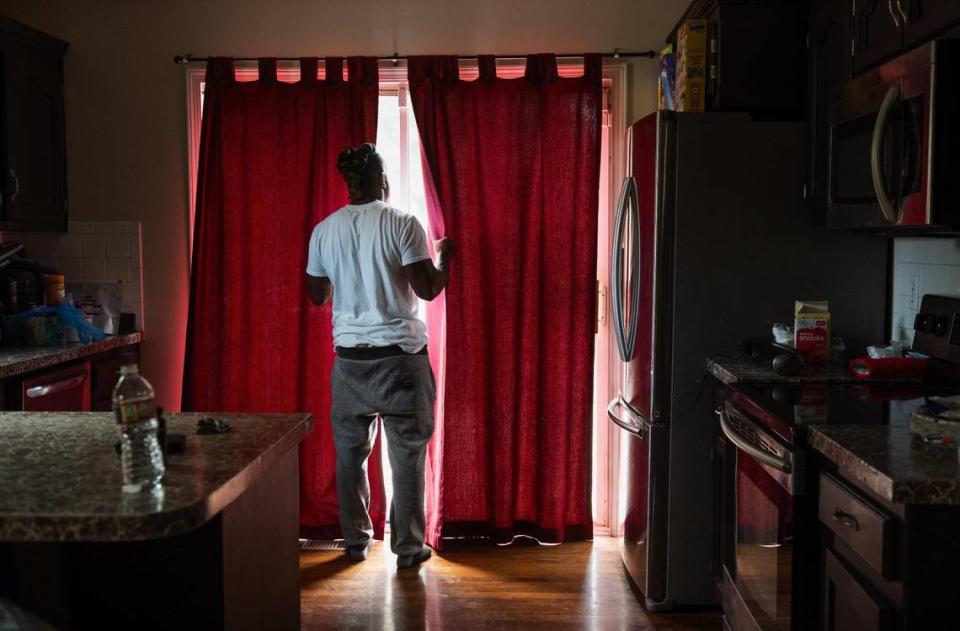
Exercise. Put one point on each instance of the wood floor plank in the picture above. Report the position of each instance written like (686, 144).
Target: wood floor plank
(576, 586)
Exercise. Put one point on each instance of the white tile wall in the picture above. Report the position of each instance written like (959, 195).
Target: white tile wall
(921, 266)
(92, 250)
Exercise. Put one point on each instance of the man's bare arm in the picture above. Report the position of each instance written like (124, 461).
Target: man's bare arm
(320, 289)
(427, 279)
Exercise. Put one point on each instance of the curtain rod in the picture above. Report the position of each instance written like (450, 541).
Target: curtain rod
(616, 54)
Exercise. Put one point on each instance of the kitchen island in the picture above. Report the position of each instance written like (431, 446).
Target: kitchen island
(894, 463)
(214, 547)
(889, 510)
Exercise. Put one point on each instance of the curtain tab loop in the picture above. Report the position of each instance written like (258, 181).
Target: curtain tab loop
(449, 68)
(487, 65)
(363, 70)
(334, 69)
(593, 66)
(308, 70)
(416, 70)
(443, 69)
(219, 71)
(541, 68)
(267, 69)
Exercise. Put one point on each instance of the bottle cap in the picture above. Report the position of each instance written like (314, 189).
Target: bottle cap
(129, 369)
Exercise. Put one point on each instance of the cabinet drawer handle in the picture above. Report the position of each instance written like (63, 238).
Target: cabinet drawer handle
(58, 386)
(893, 16)
(16, 186)
(846, 520)
(903, 14)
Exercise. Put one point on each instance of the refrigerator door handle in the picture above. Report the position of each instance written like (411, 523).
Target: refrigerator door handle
(627, 211)
(744, 445)
(635, 423)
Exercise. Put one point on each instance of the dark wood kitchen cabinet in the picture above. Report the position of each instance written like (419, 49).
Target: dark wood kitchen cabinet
(32, 138)
(828, 67)
(75, 386)
(883, 29)
(884, 566)
(755, 55)
(928, 18)
(64, 390)
(848, 604)
(105, 373)
(877, 33)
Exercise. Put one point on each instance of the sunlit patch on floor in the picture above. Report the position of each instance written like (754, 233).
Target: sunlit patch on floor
(475, 585)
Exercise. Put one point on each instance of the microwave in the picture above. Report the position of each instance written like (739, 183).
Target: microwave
(894, 145)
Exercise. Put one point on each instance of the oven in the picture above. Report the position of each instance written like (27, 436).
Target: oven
(894, 145)
(762, 483)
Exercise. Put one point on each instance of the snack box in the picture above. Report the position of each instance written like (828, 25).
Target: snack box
(811, 330)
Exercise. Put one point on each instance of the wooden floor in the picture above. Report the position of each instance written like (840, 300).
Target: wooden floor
(481, 586)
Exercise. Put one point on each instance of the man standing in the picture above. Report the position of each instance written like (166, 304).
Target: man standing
(372, 260)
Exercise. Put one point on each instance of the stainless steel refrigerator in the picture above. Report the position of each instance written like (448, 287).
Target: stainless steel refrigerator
(712, 244)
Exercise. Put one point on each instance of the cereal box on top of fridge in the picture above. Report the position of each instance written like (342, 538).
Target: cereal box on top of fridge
(666, 83)
(691, 66)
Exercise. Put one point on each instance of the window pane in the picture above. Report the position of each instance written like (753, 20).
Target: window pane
(388, 138)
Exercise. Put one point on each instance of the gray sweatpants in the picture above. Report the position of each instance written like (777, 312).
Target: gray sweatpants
(401, 391)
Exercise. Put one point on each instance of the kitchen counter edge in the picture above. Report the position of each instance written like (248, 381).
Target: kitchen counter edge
(892, 462)
(16, 361)
(153, 525)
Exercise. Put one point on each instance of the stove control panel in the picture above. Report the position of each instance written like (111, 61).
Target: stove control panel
(937, 327)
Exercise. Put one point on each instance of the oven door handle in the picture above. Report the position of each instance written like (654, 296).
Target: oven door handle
(876, 166)
(780, 464)
(635, 423)
(56, 387)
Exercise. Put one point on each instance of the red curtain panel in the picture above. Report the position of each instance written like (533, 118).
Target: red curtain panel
(515, 166)
(267, 175)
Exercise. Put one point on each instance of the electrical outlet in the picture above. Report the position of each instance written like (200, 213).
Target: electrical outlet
(913, 292)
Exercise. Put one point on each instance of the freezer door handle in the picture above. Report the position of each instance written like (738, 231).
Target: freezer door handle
(624, 268)
(635, 423)
(743, 444)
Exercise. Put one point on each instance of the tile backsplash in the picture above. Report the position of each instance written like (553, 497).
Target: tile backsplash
(921, 266)
(92, 250)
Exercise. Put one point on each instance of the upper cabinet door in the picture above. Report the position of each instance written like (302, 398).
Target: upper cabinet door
(877, 31)
(925, 18)
(33, 148)
(828, 67)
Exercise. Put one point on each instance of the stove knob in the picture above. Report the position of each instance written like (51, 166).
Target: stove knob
(940, 326)
(923, 322)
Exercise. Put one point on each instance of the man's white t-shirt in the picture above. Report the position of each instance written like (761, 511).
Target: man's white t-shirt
(361, 249)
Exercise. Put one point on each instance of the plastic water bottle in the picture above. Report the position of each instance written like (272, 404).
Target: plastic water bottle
(136, 414)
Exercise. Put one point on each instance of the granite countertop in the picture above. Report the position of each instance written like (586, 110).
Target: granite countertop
(19, 360)
(60, 476)
(730, 370)
(892, 461)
